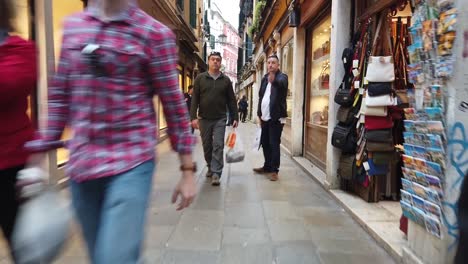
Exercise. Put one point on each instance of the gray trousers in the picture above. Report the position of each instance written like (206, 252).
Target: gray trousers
(212, 135)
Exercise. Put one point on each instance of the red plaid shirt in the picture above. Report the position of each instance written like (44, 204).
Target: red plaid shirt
(109, 107)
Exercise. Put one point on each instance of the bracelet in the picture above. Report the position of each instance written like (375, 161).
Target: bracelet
(189, 168)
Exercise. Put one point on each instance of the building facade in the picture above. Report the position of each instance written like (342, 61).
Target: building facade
(222, 37)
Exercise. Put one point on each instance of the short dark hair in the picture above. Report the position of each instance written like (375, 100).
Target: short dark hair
(274, 56)
(215, 53)
(190, 87)
(6, 15)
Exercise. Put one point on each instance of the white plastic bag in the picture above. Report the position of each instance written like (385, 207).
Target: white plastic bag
(42, 226)
(258, 137)
(236, 153)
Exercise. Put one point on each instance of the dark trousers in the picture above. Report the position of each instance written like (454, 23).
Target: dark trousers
(8, 200)
(462, 251)
(271, 140)
(243, 115)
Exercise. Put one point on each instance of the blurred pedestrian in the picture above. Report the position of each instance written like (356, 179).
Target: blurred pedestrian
(243, 106)
(212, 94)
(188, 100)
(272, 116)
(17, 82)
(100, 91)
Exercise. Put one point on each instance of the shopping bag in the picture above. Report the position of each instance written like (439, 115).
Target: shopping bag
(42, 226)
(235, 153)
(258, 137)
(231, 139)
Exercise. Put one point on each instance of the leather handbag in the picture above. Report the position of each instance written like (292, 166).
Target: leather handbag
(373, 110)
(379, 88)
(380, 135)
(345, 167)
(380, 146)
(346, 115)
(377, 169)
(344, 138)
(381, 68)
(381, 158)
(344, 97)
(378, 122)
(381, 100)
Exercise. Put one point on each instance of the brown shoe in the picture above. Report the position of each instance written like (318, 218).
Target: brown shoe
(273, 176)
(260, 170)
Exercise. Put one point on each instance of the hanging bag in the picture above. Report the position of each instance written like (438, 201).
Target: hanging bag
(381, 68)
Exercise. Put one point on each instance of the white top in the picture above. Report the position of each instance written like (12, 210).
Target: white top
(266, 103)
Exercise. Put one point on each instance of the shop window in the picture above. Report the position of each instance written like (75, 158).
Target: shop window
(287, 67)
(320, 73)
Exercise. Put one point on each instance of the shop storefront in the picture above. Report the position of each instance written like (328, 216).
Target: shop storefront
(317, 91)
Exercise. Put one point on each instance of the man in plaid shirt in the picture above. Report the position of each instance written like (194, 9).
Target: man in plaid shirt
(114, 59)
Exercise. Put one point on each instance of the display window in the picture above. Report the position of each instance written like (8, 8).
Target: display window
(287, 67)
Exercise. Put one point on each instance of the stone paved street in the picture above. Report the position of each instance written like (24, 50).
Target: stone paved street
(248, 219)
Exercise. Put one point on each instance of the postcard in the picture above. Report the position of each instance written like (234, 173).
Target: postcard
(433, 209)
(434, 169)
(409, 174)
(433, 196)
(408, 161)
(407, 210)
(419, 190)
(421, 178)
(407, 185)
(406, 197)
(435, 184)
(419, 216)
(433, 226)
(418, 202)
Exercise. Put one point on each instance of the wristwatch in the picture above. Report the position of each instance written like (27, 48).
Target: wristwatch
(193, 167)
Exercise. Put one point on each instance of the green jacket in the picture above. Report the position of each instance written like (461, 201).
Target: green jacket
(210, 98)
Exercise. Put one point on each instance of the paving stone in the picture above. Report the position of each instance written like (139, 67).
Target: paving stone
(279, 210)
(257, 254)
(288, 230)
(353, 258)
(301, 252)
(245, 236)
(190, 257)
(244, 215)
(198, 230)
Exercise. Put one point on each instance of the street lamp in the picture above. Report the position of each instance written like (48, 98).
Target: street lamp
(222, 38)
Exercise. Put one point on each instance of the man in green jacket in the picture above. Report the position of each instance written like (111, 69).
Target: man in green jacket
(211, 94)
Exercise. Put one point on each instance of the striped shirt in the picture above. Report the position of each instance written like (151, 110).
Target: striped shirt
(107, 98)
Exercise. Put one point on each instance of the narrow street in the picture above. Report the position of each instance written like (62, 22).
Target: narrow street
(248, 219)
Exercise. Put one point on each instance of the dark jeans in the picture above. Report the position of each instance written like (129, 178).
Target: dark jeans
(8, 200)
(271, 140)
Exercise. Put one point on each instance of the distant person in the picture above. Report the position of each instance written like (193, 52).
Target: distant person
(272, 116)
(213, 97)
(243, 106)
(17, 81)
(100, 90)
(188, 100)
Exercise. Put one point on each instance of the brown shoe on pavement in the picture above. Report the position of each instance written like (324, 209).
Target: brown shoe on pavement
(260, 170)
(273, 176)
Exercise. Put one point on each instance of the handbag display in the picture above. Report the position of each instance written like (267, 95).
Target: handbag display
(377, 169)
(378, 122)
(380, 135)
(381, 100)
(379, 88)
(344, 138)
(380, 146)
